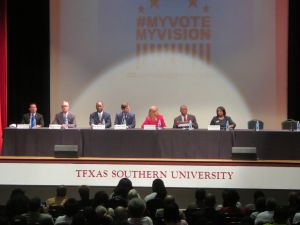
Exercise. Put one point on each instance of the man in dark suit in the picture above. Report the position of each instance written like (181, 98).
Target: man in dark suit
(33, 118)
(184, 117)
(125, 117)
(100, 117)
(65, 118)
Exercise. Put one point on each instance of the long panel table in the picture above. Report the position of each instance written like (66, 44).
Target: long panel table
(138, 143)
(38, 142)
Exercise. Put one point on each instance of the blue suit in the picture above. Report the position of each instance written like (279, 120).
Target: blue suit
(129, 117)
(94, 119)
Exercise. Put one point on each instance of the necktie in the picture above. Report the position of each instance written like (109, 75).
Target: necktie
(32, 125)
(124, 119)
(65, 119)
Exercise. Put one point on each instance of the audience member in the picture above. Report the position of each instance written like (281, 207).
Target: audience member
(71, 208)
(60, 198)
(136, 210)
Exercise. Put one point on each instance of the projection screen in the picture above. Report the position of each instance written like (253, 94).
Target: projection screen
(201, 53)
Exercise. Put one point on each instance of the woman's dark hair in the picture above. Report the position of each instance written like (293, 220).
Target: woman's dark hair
(171, 213)
(100, 198)
(222, 109)
(233, 198)
(158, 186)
(260, 204)
(123, 187)
(200, 196)
(271, 204)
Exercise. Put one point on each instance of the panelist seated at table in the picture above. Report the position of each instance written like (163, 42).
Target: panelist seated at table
(33, 118)
(65, 118)
(100, 117)
(125, 117)
(221, 119)
(154, 118)
(184, 118)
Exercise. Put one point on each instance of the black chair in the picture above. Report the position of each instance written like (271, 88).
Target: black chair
(289, 124)
(252, 124)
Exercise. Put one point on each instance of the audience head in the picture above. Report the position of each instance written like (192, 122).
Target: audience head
(123, 187)
(183, 110)
(271, 204)
(71, 207)
(100, 198)
(232, 198)
(84, 192)
(281, 215)
(169, 199)
(17, 192)
(200, 195)
(221, 111)
(35, 204)
(61, 191)
(258, 194)
(32, 108)
(260, 204)
(136, 208)
(133, 194)
(293, 195)
(19, 220)
(78, 219)
(209, 200)
(120, 213)
(171, 213)
(125, 107)
(101, 211)
(99, 106)
(65, 106)
(158, 186)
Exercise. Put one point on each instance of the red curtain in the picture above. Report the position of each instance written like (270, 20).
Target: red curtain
(3, 69)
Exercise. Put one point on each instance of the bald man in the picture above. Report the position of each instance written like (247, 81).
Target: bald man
(100, 117)
(184, 118)
(65, 118)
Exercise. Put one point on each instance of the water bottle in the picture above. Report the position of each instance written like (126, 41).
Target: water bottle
(159, 125)
(257, 126)
(227, 125)
(298, 125)
(190, 125)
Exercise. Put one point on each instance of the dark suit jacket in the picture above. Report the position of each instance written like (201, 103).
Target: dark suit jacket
(94, 119)
(59, 119)
(130, 119)
(216, 121)
(178, 120)
(38, 118)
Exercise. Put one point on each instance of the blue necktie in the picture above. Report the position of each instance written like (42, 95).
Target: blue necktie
(32, 125)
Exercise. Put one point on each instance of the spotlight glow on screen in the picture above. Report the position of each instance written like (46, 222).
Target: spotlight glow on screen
(168, 53)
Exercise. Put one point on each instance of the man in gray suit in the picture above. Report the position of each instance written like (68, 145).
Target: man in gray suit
(125, 117)
(100, 117)
(184, 118)
(65, 117)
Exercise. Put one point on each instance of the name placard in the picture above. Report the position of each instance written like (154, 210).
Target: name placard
(149, 127)
(120, 127)
(55, 126)
(98, 127)
(183, 125)
(23, 126)
(213, 127)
